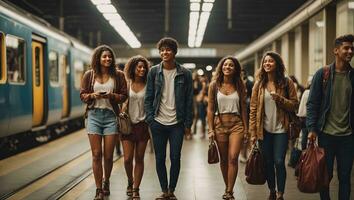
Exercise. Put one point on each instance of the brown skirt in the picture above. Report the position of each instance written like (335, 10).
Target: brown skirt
(140, 132)
(230, 126)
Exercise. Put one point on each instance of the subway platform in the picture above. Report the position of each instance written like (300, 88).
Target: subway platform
(62, 170)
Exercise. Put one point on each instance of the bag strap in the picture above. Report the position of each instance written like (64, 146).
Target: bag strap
(325, 77)
(216, 103)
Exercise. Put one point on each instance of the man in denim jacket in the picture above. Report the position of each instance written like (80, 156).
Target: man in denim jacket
(330, 114)
(169, 112)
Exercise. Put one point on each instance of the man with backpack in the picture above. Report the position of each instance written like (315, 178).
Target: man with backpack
(330, 114)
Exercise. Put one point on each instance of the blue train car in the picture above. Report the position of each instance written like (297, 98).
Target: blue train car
(40, 74)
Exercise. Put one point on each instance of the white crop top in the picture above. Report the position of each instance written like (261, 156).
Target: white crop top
(228, 103)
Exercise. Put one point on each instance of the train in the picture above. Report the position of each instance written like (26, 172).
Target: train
(40, 76)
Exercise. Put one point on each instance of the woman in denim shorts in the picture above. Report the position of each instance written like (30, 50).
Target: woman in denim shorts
(102, 89)
(227, 115)
(136, 71)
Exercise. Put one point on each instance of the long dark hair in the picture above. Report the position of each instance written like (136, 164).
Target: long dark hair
(131, 65)
(96, 57)
(279, 69)
(236, 79)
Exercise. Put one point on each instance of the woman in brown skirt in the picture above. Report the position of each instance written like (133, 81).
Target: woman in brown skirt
(134, 144)
(227, 118)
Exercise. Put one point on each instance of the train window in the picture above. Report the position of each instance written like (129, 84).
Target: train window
(2, 59)
(15, 59)
(79, 72)
(53, 68)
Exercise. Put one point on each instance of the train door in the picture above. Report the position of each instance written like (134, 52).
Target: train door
(38, 83)
(65, 87)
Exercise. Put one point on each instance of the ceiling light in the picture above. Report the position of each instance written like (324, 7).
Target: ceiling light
(194, 1)
(209, 68)
(112, 16)
(110, 13)
(200, 72)
(207, 7)
(107, 8)
(195, 7)
(351, 5)
(98, 2)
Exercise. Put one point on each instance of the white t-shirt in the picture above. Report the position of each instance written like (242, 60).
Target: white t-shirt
(167, 111)
(270, 115)
(103, 87)
(228, 103)
(302, 106)
(136, 105)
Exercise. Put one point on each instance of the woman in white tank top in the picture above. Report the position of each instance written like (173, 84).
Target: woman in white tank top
(136, 71)
(102, 89)
(227, 115)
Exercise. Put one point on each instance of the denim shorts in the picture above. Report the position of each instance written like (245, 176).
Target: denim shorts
(101, 122)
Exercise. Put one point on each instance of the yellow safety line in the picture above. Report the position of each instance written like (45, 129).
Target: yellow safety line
(15, 162)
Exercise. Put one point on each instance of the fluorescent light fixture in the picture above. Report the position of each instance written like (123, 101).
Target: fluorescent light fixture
(195, 7)
(99, 2)
(320, 24)
(351, 5)
(198, 21)
(189, 65)
(200, 72)
(107, 8)
(112, 16)
(207, 7)
(209, 68)
(110, 13)
(198, 1)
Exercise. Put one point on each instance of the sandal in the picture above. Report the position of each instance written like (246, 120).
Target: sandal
(224, 195)
(99, 194)
(136, 195)
(130, 188)
(230, 196)
(105, 189)
(163, 196)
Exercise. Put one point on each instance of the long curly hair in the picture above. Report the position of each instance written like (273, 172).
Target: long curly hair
(131, 65)
(279, 69)
(96, 60)
(236, 79)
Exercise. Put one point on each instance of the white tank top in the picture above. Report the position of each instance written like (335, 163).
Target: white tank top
(136, 105)
(270, 115)
(103, 87)
(228, 103)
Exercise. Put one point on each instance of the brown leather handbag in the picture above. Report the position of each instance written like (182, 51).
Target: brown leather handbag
(255, 173)
(213, 154)
(312, 170)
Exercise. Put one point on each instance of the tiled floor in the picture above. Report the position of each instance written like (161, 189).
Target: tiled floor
(198, 180)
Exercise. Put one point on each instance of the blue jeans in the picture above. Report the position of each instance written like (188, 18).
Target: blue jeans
(341, 148)
(274, 148)
(160, 135)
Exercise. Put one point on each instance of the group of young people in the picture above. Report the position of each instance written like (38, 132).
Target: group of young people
(160, 100)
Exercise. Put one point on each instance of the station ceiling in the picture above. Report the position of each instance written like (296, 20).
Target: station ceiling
(146, 18)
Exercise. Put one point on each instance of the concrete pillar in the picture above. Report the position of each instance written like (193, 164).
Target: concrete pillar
(285, 51)
(330, 33)
(301, 57)
(98, 37)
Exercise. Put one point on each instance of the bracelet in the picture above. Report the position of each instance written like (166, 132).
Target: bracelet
(212, 131)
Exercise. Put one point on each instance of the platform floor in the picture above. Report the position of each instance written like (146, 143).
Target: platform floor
(198, 179)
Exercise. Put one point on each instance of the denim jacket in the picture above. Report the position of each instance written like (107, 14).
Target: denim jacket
(318, 104)
(183, 94)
